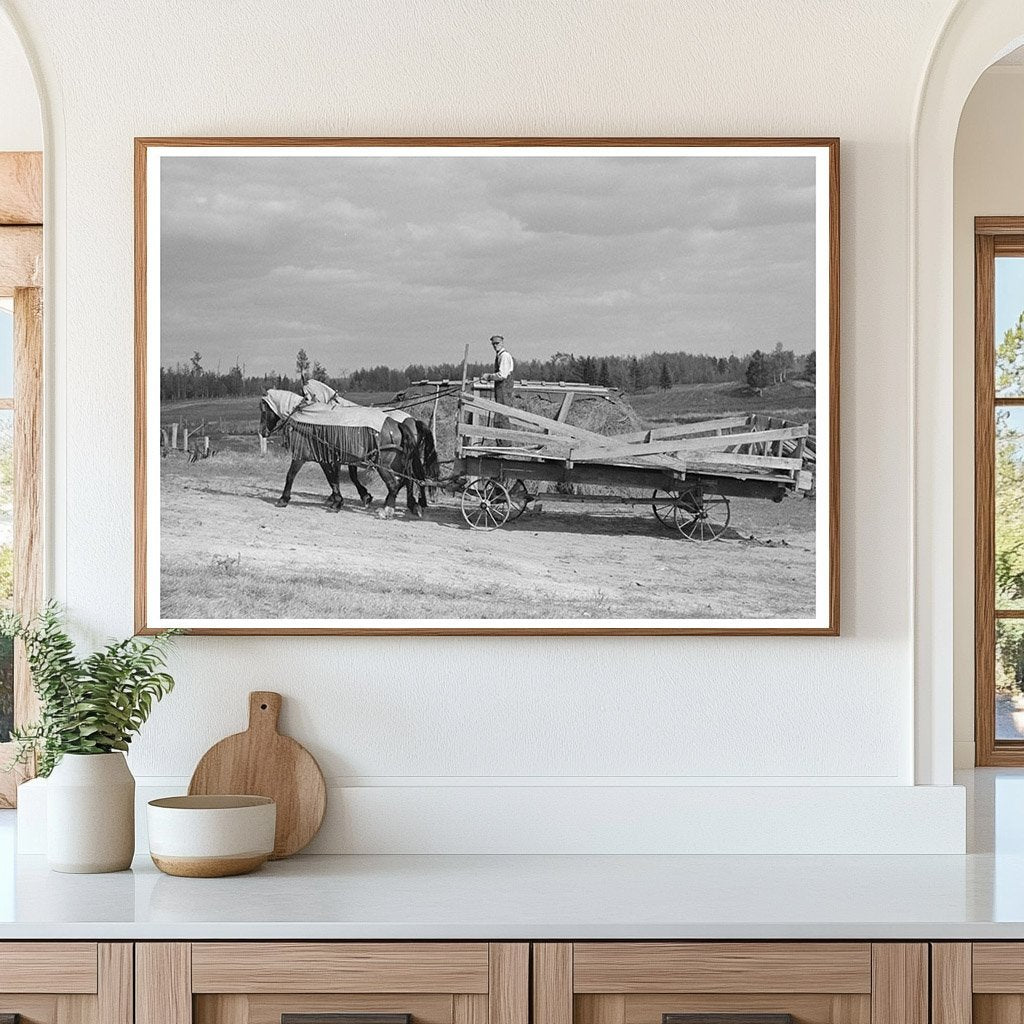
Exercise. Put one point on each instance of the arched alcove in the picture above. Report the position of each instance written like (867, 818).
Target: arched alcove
(976, 34)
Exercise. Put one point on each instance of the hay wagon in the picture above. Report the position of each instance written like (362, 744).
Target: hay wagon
(686, 473)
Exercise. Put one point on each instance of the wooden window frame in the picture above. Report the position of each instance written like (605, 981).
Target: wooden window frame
(21, 278)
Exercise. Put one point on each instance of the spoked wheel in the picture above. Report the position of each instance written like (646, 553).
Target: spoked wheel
(664, 505)
(486, 504)
(702, 514)
(520, 497)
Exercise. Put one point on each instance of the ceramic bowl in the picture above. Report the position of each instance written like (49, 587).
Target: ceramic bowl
(211, 836)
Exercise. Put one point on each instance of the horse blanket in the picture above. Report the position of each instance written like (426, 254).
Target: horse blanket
(318, 432)
(318, 391)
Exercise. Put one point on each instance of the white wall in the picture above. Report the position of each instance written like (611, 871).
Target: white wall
(21, 127)
(987, 181)
(430, 716)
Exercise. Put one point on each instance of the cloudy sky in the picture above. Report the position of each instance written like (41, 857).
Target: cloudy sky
(365, 260)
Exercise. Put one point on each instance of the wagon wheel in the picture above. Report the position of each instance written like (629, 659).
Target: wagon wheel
(702, 514)
(665, 505)
(485, 504)
(520, 497)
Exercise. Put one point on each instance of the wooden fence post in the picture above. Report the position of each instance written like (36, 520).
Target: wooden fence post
(263, 444)
(174, 435)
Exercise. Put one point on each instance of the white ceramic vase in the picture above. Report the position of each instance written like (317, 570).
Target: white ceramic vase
(90, 814)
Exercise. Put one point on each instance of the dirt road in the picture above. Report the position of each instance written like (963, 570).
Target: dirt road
(228, 552)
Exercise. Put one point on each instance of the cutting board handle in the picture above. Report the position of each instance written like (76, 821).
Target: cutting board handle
(264, 710)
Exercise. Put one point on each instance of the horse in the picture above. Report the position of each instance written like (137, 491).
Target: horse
(426, 449)
(336, 437)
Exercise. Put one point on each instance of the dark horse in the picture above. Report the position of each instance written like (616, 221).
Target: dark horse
(426, 450)
(388, 448)
(426, 464)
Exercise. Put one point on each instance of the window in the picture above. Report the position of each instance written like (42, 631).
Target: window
(999, 490)
(21, 374)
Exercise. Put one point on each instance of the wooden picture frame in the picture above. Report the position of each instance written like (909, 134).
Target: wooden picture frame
(152, 153)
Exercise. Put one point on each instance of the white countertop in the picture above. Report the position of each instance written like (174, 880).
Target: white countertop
(978, 896)
(516, 897)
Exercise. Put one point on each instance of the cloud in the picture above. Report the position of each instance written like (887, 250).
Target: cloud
(364, 260)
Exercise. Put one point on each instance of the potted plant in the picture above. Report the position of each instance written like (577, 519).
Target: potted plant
(89, 710)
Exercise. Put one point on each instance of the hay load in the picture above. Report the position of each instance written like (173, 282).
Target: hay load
(607, 413)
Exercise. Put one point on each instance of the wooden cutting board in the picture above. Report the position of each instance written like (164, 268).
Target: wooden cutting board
(262, 762)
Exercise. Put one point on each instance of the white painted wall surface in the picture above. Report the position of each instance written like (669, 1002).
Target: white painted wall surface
(21, 126)
(434, 716)
(988, 182)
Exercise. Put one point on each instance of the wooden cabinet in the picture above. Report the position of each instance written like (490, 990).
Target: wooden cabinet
(309, 982)
(751, 982)
(66, 982)
(978, 983)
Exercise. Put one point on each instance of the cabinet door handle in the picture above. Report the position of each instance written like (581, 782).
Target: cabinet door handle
(338, 1018)
(727, 1018)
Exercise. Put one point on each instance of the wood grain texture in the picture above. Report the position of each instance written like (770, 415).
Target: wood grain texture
(208, 867)
(28, 483)
(21, 258)
(346, 1018)
(999, 226)
(603, 1009)
(899, 991)
(805, 1008)
(76, 1009)
(268, 1009)
(115, 995)
(21, 188)
(226, 1009)
(998, 967)
(142, 624)
(998, 1009)
(304, 967)
(984, 502)
(831, 144)
(262, 762)
(65, 967)
(508, 993)
(469, 1008)
(31, 1009)
(163, 983)
(728, 1018)
(634, 967)
(951, 983)
(552, 983)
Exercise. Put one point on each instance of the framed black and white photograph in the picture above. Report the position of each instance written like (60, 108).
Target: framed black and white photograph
(487, 386)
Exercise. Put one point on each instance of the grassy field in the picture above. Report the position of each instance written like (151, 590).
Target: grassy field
(688, 403)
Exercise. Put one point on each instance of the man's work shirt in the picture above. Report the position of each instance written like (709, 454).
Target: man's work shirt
(504, 364)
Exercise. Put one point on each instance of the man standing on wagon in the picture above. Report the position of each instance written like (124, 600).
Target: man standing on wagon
(504, 384)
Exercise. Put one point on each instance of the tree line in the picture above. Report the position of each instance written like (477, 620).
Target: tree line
(631, 374)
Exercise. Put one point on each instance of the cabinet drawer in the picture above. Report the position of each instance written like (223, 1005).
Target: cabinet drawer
(981, 982)
(332, 983)
(634, 967)
(65, 967)
(66, 982)
(340, 967)
(730, 983)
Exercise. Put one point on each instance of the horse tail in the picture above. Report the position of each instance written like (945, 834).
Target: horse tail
(411, 449)
(430, 461)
